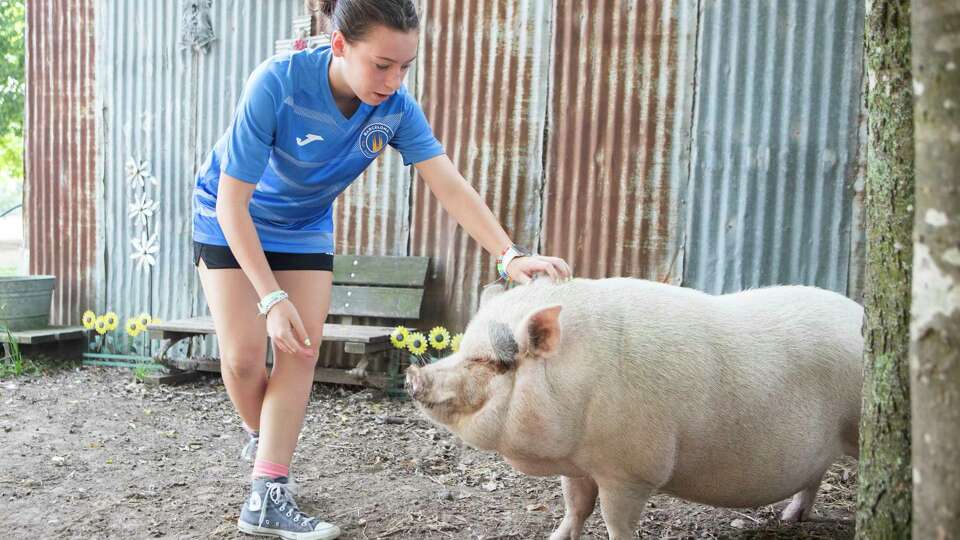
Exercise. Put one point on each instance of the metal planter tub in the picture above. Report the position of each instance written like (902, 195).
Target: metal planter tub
(25, 302)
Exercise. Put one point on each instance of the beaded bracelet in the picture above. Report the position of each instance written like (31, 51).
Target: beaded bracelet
(270, 300)
(507, 256)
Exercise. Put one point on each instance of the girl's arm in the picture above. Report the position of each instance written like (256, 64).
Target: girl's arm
(461, 201)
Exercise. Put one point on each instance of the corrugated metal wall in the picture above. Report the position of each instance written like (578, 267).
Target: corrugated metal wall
(563, 116)
(484, 86)
(715, 142)
(60, 210)
(619, 123)
(712, 142)
(775, 147)
(165, 105)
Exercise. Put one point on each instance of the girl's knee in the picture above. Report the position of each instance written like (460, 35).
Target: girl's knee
(245, 368)
(243, 358)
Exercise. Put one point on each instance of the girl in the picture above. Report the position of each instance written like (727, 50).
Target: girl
(307, 124)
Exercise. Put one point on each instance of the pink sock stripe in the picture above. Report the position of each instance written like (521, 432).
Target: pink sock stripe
(263, 468)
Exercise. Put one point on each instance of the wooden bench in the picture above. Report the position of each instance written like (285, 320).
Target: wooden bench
(363, 286)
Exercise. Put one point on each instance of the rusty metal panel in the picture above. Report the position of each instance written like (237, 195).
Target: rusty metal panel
(776, 152)
(483, 84)
(60, 152)
(617, 157)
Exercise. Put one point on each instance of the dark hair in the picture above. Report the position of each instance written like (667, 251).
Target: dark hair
(354, 18)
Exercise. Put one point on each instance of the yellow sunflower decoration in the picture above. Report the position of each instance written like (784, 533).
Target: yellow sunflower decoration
(399, 337)
(439, 338)
(417, 343)
(89, 319)
(100, 325)
(455, 342)
(143, 320)
(132, 326)
(112, 320)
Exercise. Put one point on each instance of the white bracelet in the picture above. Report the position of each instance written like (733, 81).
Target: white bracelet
(271, 300)
(507, 257)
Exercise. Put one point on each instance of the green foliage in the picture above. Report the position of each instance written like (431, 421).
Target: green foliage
(140, 373)
(11, 171)
(12, 79)
(12, 86)
(11, 363)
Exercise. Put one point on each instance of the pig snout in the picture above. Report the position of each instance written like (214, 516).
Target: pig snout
(416, 383)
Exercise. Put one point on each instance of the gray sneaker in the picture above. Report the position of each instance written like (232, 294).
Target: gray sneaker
(249, 451)
(271, 511)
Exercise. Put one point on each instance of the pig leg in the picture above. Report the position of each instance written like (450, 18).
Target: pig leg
(579, 498)
(801, 505)
(621, 506)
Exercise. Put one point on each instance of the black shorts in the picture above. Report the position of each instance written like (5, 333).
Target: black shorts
(218, 257)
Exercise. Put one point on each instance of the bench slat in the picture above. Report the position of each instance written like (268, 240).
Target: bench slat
(331, 331)
(380, 270)
(392, 303)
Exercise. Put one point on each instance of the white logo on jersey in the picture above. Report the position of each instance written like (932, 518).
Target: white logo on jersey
(308, 139)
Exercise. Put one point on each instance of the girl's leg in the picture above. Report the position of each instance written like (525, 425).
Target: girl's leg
(291, 379)
(242, 337)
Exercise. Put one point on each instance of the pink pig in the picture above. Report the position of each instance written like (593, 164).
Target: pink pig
(625, 387)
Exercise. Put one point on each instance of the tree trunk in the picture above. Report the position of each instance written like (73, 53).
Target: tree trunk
(935, 321)
(884, 497)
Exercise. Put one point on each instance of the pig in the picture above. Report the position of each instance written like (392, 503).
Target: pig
(625, 387)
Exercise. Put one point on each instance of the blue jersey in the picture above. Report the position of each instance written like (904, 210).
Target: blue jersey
(289, 138)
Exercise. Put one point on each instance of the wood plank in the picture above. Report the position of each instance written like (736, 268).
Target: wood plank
(191, 325)
(330, 375)
(393, 303)
(47, 335)
(175, 377)
(367, 348)
(380, 270)
(334, 332)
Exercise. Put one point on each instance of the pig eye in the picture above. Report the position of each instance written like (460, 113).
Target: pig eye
(492, 363)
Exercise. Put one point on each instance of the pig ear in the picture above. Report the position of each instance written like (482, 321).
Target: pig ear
(539, 332)
(490, 291)
(504, 344)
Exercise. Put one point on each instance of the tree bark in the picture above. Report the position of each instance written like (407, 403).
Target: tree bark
(935, 314)
(884, 478)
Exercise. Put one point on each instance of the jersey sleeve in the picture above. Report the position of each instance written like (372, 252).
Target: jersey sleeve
(250, 137)
(414, 138)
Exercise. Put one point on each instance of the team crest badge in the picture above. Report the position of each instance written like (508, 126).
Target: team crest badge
(374, 138)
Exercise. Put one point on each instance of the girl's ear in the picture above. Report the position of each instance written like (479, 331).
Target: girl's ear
(337, 43)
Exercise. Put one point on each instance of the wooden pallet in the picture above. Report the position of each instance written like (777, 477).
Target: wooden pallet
(55, 341)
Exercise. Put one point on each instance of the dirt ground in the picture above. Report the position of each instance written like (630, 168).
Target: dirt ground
(92, 453)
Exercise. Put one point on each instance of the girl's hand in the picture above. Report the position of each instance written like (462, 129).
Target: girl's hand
(286, 330)
(524, 269)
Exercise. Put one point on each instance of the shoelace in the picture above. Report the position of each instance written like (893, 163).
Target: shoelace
(280, 495)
